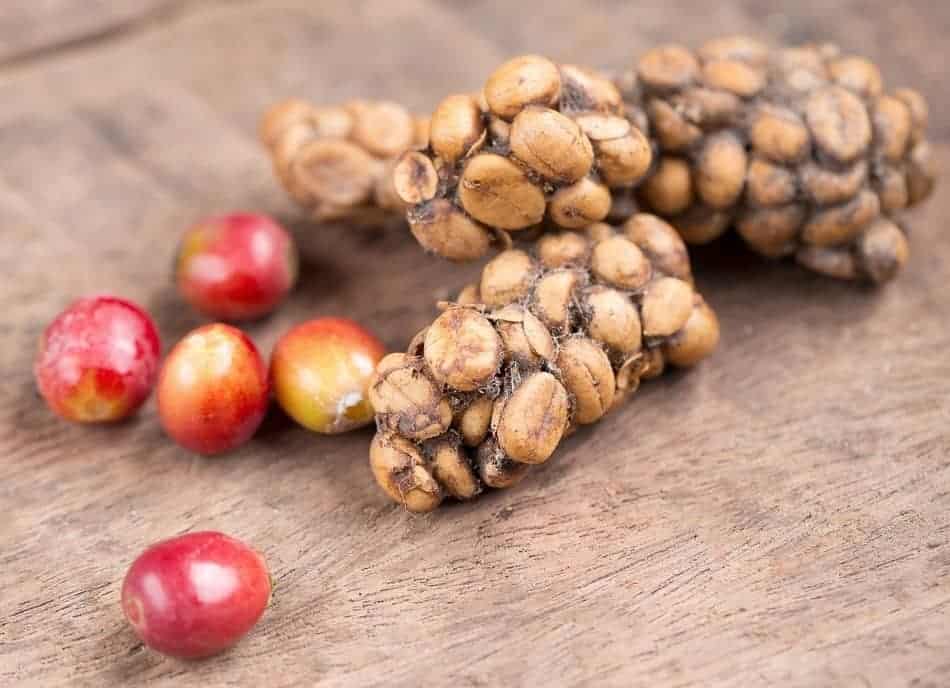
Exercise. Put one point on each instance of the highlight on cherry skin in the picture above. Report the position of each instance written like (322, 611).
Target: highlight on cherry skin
(195, 595)
(213, 390)
(320, 371)
(98, 360)
(235, 267)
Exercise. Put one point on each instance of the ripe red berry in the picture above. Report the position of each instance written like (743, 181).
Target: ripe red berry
(98, 360)
(196, 594)
(321, 371)
(236, 267)
(212, 391)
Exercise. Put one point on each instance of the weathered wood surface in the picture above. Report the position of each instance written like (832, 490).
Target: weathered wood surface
(779, 516)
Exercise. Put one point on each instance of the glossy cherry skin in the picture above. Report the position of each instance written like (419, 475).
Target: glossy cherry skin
(195, 595)
(213, 390)
(236, 267)
(98, 360)
(320, 371)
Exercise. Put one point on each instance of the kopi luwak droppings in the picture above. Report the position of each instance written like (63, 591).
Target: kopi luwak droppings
(542, 145)
(336, 161)
(800, 149)
(546, 341)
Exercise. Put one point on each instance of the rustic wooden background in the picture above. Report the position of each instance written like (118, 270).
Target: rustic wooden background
(779, 516)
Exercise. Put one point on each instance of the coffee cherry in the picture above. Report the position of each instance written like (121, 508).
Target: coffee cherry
(321, 372)
(98, 360)
(195, 595)
(212, 393)
(236, 267)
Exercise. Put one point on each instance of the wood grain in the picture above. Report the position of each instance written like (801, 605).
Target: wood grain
(779, 516)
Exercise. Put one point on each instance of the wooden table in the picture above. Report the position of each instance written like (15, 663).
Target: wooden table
(779, 516)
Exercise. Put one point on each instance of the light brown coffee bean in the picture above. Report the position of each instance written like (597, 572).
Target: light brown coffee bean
(839, 123)
(439, 226)
(533, 419)
(401, 471)
(667, 305)
(456, 127)
(527, 341)
(669, 190)
(451, 468)
(588, 377)
(580, 204)
(779, 134)
(551, 144)
(721, 170)
(841, 223)
(613, 319)
(507, 278)
(522, 81)
(668, 67)
(462, 349)
(697, 339)
(495, 191)
(554, 296)
(661, 243)
(620, 263)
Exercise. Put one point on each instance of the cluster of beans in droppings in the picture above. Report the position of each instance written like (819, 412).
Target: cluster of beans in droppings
(542, 144)
(336, 161)
(543, 343)
(800, 149)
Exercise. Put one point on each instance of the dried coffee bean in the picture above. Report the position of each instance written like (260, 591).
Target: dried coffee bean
(439, 226)
(462, 349)
(772, 231)
(401, 471)
(451, 469)
(551, 144)
(779, 134)
(523, 81)
(474, 420)
(554, 299)
(382, 129)
(414, 178)
(674, 132)
(841, 223)
(406, 401)
(507, 278)
(892, 127)
(669, 190)
(660, 243)
(456, 127)
(667, 305)
(613, 319)
(839, 122)
(620, 263)
(735, 76)
(826, 187)
(497, 192)
(588, 377)
(580, 204)
(668, 67)
(882, 250)
(769, 184)
(497, 470)
(721, 170)
(533, 419)
(563, 248)
(527, 341)
(696, 340)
